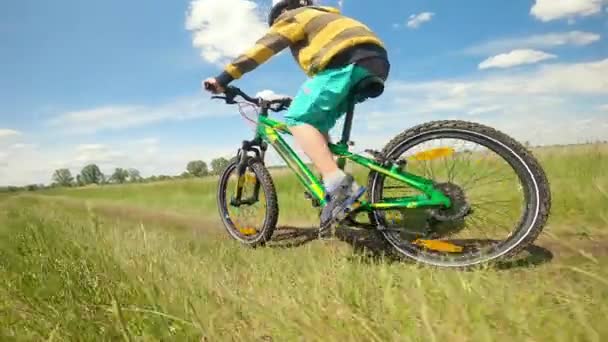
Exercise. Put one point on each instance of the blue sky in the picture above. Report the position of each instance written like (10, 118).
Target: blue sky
(118, 82)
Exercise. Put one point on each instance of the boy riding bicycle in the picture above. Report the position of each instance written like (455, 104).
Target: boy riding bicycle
(336, 52)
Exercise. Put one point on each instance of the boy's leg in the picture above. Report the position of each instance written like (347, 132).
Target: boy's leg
(314, 144)
(341, 188)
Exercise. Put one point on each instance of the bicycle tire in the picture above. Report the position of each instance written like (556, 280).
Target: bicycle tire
(527, 167)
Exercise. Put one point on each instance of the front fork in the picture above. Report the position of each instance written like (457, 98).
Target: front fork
(258, 148)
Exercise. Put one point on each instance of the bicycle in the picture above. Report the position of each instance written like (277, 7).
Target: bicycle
(426, 214)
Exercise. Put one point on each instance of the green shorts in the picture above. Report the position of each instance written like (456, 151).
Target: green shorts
(321, 101)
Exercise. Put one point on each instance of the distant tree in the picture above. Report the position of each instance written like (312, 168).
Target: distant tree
(63, 177)
(185, 174)
(33, 187)
(134, 176)
(197, 168)
(219, 164)
(119, 176)
(91, 174)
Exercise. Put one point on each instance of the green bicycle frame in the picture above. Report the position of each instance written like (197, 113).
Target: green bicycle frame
(270, 131)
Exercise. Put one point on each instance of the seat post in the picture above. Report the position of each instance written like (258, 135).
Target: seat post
(348, 121)
(348, 125)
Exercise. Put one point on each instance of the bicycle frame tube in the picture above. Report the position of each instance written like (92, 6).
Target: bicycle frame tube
(431, 198)
(270, 130)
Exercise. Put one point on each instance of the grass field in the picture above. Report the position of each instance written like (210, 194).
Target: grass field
(150, 262)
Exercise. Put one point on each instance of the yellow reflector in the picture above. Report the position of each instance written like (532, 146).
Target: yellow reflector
(435, 153)
(250, 178)
(439, 246)
(248, 231)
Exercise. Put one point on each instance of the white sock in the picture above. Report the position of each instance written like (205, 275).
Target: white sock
(332, 181)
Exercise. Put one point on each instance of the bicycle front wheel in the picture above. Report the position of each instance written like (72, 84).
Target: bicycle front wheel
(251, 216)
(499, 192)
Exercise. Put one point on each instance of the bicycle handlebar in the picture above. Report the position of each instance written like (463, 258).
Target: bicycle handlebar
(231, 92)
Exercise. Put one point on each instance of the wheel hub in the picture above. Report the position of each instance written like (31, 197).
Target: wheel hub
(460, 207)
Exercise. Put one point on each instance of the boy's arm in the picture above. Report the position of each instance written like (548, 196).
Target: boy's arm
(281, 35)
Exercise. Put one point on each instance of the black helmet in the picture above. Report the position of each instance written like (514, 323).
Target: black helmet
(282, 5)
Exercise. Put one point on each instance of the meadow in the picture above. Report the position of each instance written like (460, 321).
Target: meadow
(151, 262)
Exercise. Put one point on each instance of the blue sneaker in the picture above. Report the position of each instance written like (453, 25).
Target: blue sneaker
(340, 202)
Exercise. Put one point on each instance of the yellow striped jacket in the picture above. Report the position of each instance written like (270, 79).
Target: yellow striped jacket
(314, 34)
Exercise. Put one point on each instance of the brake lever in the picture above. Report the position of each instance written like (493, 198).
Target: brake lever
(278, 109)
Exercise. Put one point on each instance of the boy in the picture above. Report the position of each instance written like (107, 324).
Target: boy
(336, 52)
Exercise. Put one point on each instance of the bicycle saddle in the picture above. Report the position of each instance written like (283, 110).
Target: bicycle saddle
(368, 88)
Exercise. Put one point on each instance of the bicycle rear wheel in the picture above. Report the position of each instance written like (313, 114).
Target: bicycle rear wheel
(500, 194)
(253, 221)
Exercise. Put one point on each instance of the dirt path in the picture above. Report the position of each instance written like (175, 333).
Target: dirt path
(138, 214)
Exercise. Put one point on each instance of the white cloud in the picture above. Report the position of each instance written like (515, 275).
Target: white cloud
(515, 58)
(96, 153)
(146, 141)
(224, 29)
(485, 110)
(557, 79)
(116, 117)
(416, 20)
(270, 95)
(547, 10)
(8, 133)
(20, 146)
(540, 41)
(603, 107)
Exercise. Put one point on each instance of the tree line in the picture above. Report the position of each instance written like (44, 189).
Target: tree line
(91, 174)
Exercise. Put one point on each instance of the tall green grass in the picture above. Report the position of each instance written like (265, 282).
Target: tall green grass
(579, 181)
(68, 274)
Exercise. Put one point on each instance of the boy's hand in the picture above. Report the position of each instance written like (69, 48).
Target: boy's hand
(212, 85)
